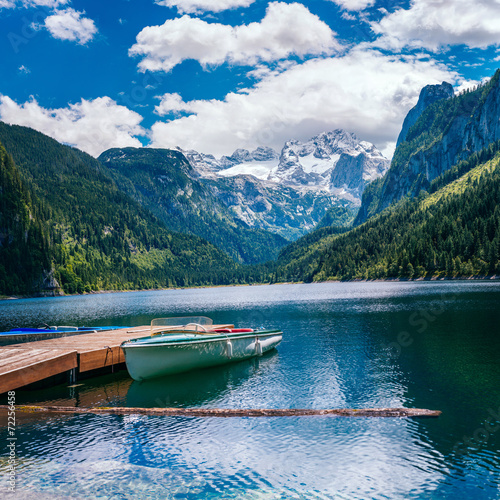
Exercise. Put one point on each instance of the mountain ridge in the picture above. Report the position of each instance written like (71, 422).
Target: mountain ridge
(164, 182)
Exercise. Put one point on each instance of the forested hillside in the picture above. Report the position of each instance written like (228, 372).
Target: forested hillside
(453, 232)
(164, 182)
(84, 229)
(24, 246)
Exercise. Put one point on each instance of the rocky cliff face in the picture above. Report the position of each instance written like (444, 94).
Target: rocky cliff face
(279, 209)
(428, 95)
(446, 133)
(354, 171)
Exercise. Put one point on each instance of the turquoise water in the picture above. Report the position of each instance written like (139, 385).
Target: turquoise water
(424, 345)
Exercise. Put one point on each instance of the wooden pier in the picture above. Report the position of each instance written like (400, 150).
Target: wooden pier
(30, 362)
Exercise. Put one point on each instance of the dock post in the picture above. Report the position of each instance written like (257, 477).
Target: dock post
(72, 376)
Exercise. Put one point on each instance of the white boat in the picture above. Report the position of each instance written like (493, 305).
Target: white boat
(183, 344)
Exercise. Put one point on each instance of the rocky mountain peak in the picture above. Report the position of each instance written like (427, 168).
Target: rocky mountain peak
(336, 161)
(264, 154)
(428, 95)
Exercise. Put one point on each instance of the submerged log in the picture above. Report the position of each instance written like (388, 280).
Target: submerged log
(230, 412)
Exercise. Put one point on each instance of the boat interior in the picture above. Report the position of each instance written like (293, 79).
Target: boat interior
(192, 324)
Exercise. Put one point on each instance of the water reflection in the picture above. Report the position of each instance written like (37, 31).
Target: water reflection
(199, 387)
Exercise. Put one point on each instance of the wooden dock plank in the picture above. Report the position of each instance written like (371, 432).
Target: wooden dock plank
(16, 356)
(52, 364)
(26, 358)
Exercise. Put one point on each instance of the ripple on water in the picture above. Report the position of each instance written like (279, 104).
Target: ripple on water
(163, 457)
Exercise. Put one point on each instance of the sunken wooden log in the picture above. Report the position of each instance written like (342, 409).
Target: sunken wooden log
(226, 412)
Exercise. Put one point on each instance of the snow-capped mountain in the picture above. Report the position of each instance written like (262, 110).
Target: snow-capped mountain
(336, 162)
(288, 193)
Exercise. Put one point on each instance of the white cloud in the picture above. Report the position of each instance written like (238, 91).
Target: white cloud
(285, 30)
(354, 4)
(92, 126)
(171, 103)
(348, 16)
(23, 69)
(433, 24)
(51, 4)
(70, 24)
(198, 6)
(365, 92)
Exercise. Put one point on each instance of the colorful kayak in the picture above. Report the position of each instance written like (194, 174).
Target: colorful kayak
(19, 335)
(179, 345)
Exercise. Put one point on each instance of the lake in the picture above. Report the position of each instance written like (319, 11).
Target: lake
(432, 345)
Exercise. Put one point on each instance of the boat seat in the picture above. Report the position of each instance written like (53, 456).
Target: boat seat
(233, 330)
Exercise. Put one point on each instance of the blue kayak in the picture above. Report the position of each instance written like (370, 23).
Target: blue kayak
(66, 329)
(19, 335)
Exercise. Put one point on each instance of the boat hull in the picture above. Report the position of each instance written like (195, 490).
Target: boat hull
(150, 360)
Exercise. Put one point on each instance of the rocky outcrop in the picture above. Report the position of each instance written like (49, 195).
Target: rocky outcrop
(245, 156)
(206, 165)
(353, 172)
(428, 95)
(349, 173)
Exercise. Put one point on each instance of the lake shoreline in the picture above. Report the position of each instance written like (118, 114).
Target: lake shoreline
(488, 278)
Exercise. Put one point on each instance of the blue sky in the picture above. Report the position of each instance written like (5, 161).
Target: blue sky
(216, 75)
